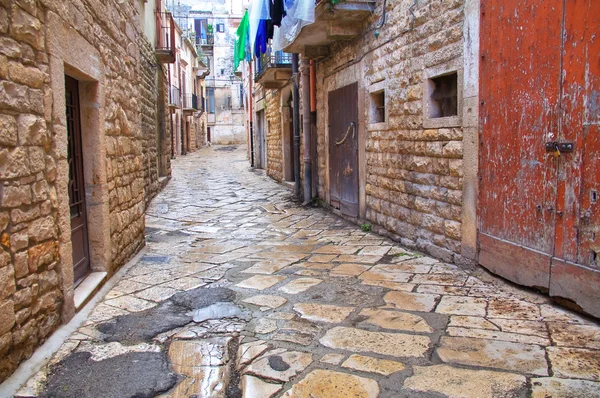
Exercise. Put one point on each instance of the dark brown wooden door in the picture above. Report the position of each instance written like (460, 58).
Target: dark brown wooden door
(343, 149)
(539, 77)
(79, 227)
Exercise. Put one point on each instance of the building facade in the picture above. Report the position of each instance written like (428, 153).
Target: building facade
(186, 94)
(402, 118)
(84, 146)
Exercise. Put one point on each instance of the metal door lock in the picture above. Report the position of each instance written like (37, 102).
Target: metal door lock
(554, 146)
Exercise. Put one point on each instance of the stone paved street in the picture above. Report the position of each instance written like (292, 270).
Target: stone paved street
(243, 293)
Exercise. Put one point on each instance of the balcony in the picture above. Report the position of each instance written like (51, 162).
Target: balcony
(345, 21)
(190, 104)
(273, 69)
(174, 97)
(205, 44)
(165, 45)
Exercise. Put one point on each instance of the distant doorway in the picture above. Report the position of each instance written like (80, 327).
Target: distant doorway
(76, 187)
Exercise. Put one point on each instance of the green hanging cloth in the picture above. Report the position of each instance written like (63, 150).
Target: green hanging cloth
(239, 52)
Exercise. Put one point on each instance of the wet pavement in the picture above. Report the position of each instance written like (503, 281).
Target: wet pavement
(243, 293)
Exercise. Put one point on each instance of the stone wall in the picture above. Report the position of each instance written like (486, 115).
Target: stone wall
(274, 135)
(149, 113)
(40, 42)
(412, 175)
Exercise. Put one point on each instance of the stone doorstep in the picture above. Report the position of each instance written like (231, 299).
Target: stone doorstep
(87, 288)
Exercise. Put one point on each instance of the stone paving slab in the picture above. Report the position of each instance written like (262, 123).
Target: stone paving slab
(244, 293)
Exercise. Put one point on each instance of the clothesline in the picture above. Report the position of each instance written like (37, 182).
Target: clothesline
(279, 21)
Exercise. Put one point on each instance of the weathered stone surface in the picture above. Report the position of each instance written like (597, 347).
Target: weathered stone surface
(333, 359)
(513, 309)
(192, 353)
(372, 365)
(254, 387)
(260, 282)
(326, 383)
(562, 388)
(494, 354)
(467, 383)
(7, 316)
(248, 351)
(281, 367)
(299, 285)
(574, 362)
(264, 326)
(411, 301)
(395, 320)
(266, 301)
(8, 131)
(462, 305)
(323, 312)
(393, 344)
(583, 336)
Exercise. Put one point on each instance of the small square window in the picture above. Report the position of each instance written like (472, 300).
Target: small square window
(377, 111)
(220, 27)
(443, 96)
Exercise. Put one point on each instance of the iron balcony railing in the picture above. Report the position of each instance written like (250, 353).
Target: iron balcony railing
(174, 96)
(270, 59)
(208, 40)
(190, 101)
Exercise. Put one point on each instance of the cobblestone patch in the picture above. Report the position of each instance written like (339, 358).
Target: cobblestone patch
(304, 304)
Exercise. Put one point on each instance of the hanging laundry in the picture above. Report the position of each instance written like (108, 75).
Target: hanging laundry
(299, 13)
(239, 50)
(258, 10)
(260, 44)
(277, 12)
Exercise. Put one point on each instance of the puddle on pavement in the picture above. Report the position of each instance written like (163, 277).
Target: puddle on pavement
(220, 311)
(171, 314)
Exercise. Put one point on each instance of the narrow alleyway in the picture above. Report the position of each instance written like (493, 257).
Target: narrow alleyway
(241, 292)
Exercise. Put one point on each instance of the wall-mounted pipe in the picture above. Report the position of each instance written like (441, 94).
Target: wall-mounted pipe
(313, 86)
(305, 75)
(250, 103)
(296, 122)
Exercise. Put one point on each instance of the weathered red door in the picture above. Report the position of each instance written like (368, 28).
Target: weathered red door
(540, 92)
(79, 227)
(343, 149)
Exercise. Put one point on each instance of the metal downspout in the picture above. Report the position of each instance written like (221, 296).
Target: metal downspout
(250, 103)
(296, 116)
(305, 74)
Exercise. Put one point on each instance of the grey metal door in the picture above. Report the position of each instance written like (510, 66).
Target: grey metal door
(343, 149)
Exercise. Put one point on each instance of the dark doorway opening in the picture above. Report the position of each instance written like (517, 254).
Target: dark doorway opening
(77, 205)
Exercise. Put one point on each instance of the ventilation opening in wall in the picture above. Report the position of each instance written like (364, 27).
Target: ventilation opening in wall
(443, 95)
(377, 113)
(595, 261)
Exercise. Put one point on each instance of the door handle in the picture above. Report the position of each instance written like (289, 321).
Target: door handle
(351, 126)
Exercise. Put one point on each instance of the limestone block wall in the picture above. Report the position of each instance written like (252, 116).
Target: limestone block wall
(274, 134)
(98, 43)
(412, 175)
(149, 118)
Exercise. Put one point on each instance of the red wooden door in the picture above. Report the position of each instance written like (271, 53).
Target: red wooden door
(343, 149)
(79, 227)
(575, 270)
(537, 86)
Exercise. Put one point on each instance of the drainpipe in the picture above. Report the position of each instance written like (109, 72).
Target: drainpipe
(296, 121)
(170, 112)
(250, 101)
(305, 75)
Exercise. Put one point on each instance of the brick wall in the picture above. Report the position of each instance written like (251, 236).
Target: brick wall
(36, 278)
